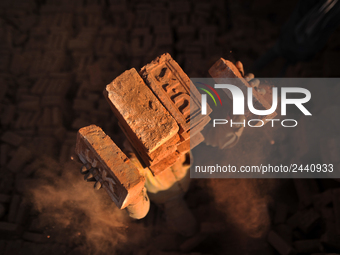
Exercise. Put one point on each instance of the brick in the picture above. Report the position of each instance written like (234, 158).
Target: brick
(13, 208)
(84, 39)
(162, 158)
(9, 229)
(207, 35)
(31, 168)
(118, 175)
(168, 242)
(163, 36)
(100, 114)
(336, 208)
(36, 225)
(3, 89)
(2, 210)
(35, 248)
(164, 163)
(79, 123)
(64, 153)
(285, 232)
(4, 150)
(57, 118)
(26, 121)
(33, 105)
(193, 242)
(7, 115)
(327, 214)
(322, 200)
(279, 244)
(22, 213)
(294, 220)
(35, 117)
(224, 69)
(52, 101)
(308, 220)
(11, 138)
(35, 237)
(196, 127)
(46, 131)
(2, 245)
(96, 77)
(82, 105)
(191, 143)
(212, 227)
(22, 185)
(173, 88)
(19, 121)
(184, 146)
(58, 40)
(5, 198)
(27, 97)
(281, 212)
(305, 189)
(331, 238)
(167, 148)
(137, 108)
(307, 246)
(46, 118)
(40, 86)
(20, 158)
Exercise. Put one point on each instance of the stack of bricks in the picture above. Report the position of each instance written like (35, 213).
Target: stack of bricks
(156, 113)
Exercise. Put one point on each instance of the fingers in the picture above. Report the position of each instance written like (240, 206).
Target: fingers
(97, 185)
(85, 168)
(89, 175)
(239, 66)
(249, 76)
(255, 83)
(261, 91)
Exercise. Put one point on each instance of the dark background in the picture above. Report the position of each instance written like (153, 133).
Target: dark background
(56, 58)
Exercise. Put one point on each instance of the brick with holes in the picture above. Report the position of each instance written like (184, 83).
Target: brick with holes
(113, 170)
(176, 92)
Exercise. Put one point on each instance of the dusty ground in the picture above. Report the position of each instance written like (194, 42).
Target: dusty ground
(56, 58)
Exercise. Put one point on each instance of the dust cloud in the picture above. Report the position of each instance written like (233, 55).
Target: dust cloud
(244, 203)
(73, 212)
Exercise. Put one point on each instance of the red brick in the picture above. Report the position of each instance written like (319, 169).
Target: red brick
(119, 177)
(35, 237)
(7, 115)
(139, 111)
(11, 138)
(20, 158)
(165, 163)
(172, 87)
(5, 198)
(9, 229)
(279, 244)
(13, 208)
(224, 69)
(4, 149)
(191, 143)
